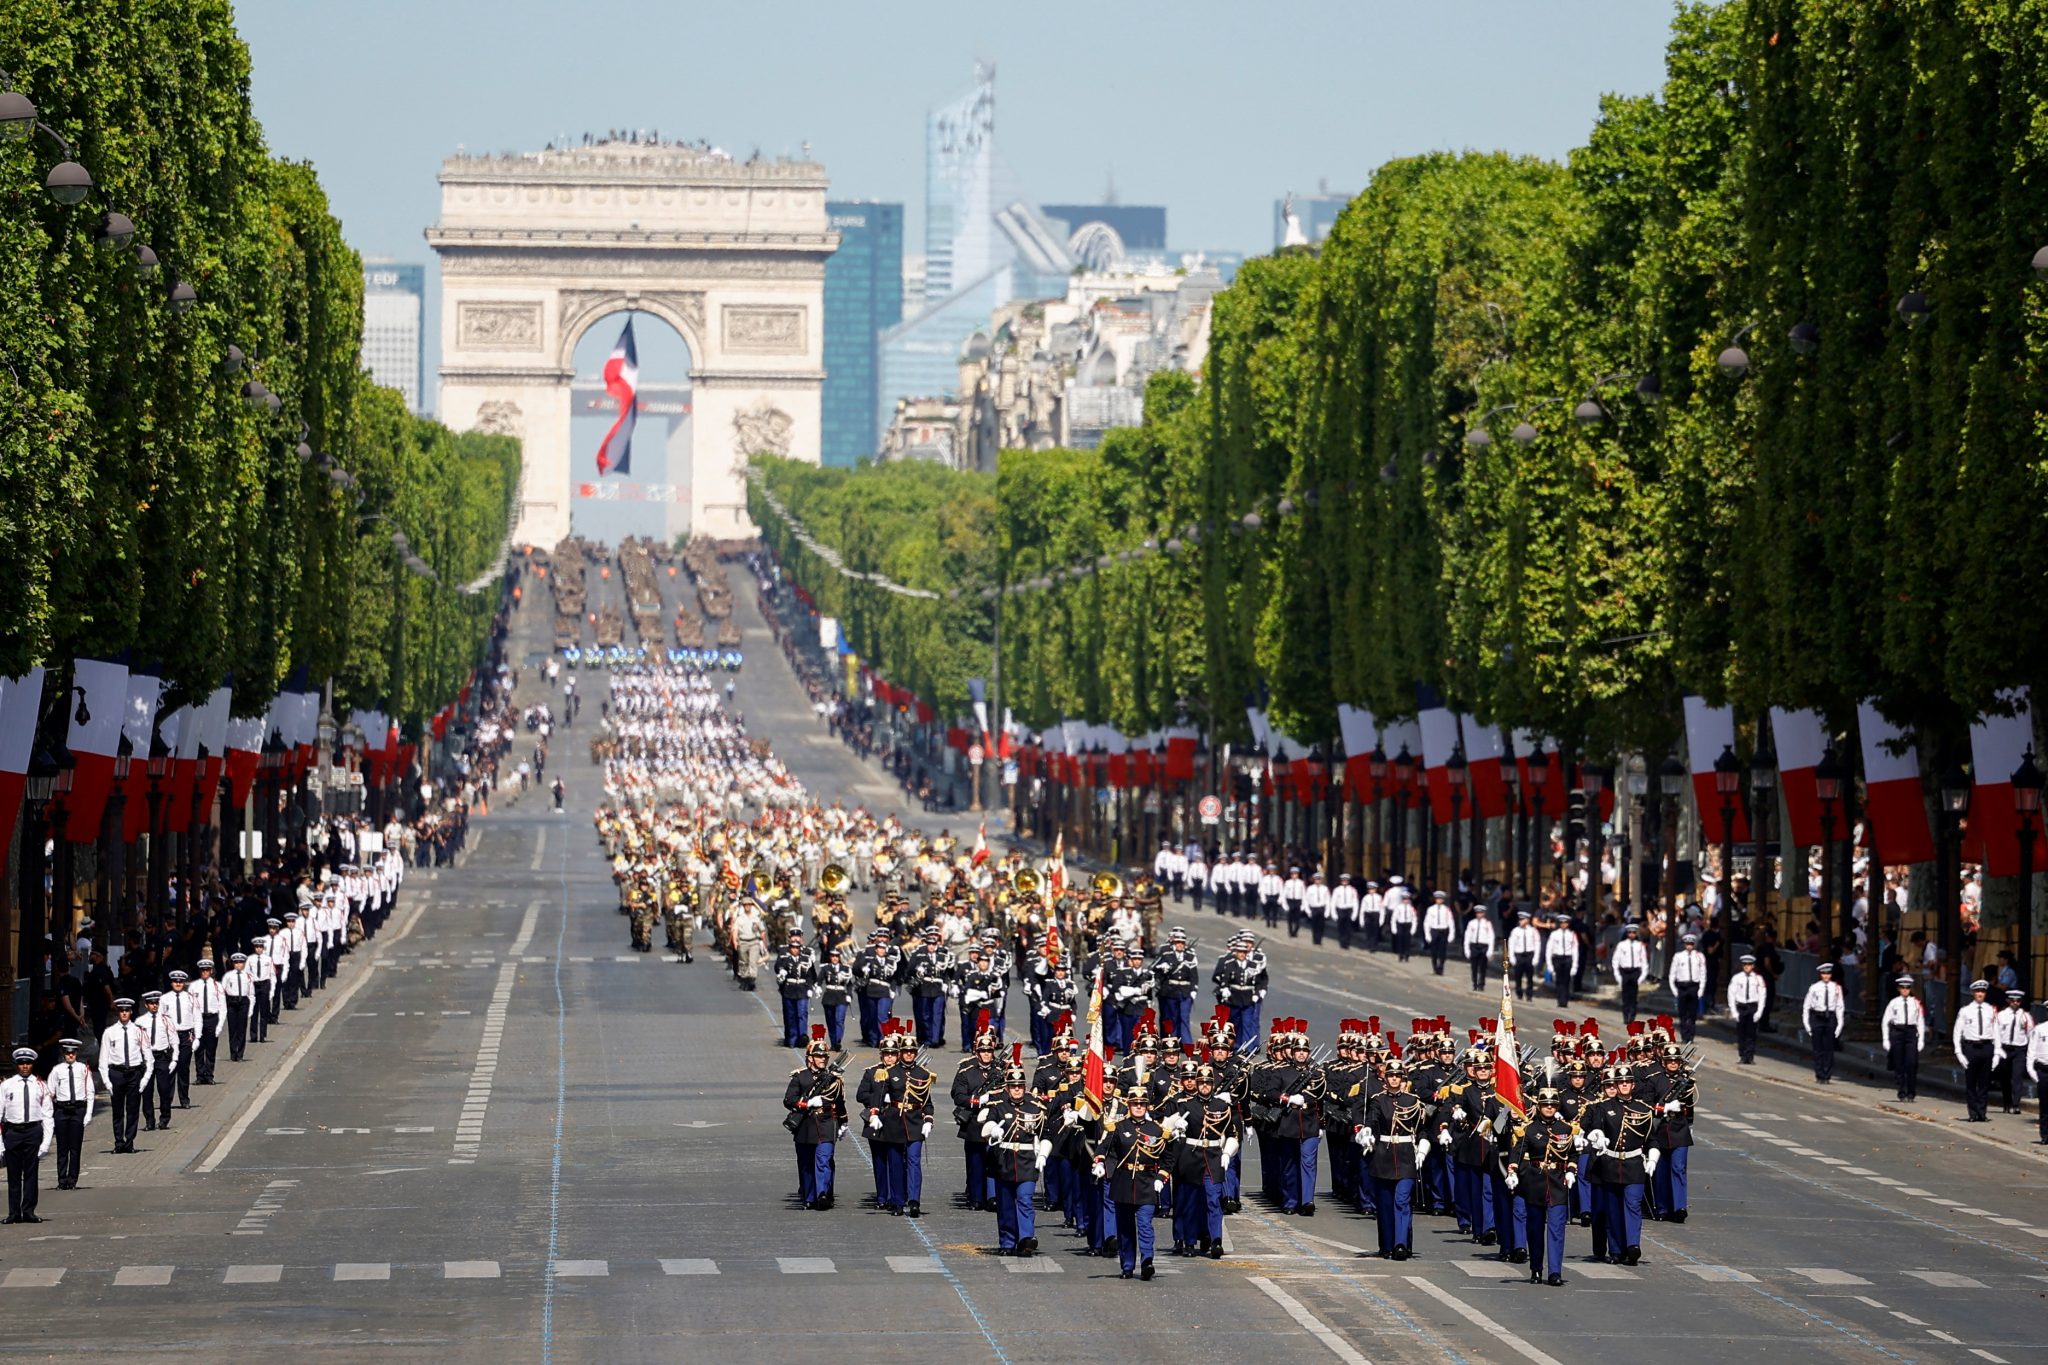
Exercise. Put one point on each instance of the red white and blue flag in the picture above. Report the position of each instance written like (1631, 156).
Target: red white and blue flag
(622, 382)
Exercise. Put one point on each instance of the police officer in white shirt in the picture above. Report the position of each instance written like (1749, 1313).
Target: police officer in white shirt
(1561, 956)
(1439, 922)
(1344, 908)
(2015, 1027)
(71, 1099)
(25, 1133)
(1824, 1015)
(1630, 964)
(1688, 979)
(1315, 903)
(1372, 915)
(1903, 1031)
(1293, 892)
(182, 1010)
(1197, 874)
(1479, 941)
(263, 973)
(213, 1011)
(1525, 944)
(1269, 887)
(126, 1064)
(238, 1001)
(1401, 918)
(1975, 1040)
(162, 1041)
(2037, 1067)
(1746, 1007)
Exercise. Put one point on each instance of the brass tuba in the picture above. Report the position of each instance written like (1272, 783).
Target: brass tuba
(1026, 881)
(1107, 884)
(834, 879)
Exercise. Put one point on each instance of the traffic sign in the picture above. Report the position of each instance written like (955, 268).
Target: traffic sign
(975, 753)
(1210, 809)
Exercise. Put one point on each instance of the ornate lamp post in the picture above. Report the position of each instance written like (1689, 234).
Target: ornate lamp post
(1404, 773)
(1539, 791)
(1376, 772)
(1593, 780)
(1827, 785)
(1763, 782)
(1727, 783)
(1457, 772)
(2026, 798)
(1955, 804)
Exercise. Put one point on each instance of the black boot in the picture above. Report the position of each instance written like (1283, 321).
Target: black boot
(1145, 1269)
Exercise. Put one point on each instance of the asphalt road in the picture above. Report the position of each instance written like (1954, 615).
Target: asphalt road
(513, 1139)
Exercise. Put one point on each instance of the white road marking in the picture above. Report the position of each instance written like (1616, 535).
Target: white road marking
(1482, 1270)
(527, 923)
(363, 1270)
(916, 1265)
(1946, 1279)
(33, 1277)
(1037, 1265)
(1719, 1272)
(540, 848)
(143, 1275)
(689, 1266)
(805, 1265)
(1308, 1321)
(1940, 1335)
(1527, 1351)
(253, 1274)
(1822, 1275)
(1908, 1317)
(469, 1270)
(1597, 1271)
(589, 1270)
(469, 1131)
(1983, 1354)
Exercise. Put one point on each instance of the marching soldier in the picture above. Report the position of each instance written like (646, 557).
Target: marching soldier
(1465, 1114)
(1133, 1160)
(1344, 908)
(1013, 1126)
(1239, 977)
(212, 1005)
(1056, 996)
(795, 975)
(1392, 1138)
(2037, 1067)
(880, 1097)
(1402, 921)
(1300, 1091)
(1688, 975)
(1825, 1014)
(1620, 1132)
(979, 989)
(181, 1012)
(749, 929)
(25, 1134)
(1293, 893)
(1561, 956)
(914, 1114)
(1206, 1128)
(1903, 1031)
(126, 1063)
(877, 971)
(71, 1102)
(1631, 964)
(1745, 1006)
(977, 1083)
(1674, 1093)
(1315, 903)
(930, 966)
(1124, 987)
(239, 999)
(162, 1042)
(1176, 974)
(816, 1101)
(1542, 1169)
(262, 969)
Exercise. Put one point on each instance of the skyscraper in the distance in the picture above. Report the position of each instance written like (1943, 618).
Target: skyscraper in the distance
(863, 295)
(394, 339)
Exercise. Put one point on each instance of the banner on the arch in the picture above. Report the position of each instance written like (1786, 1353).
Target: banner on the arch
(626, 491)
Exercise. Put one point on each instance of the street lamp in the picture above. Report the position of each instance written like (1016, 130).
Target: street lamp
(1671, 776)
(1539, 791)
(1763, 781)
(1955, 804)
(1727, 782)
(1637, 783)
(1593, 780)
(1827, 785)
(1404, 773)
(1457, 772)
(1376, 770)
(2026, 799)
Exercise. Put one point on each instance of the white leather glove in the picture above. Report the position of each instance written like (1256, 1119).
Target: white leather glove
(1511, 1180)
(1072, 1117)
(1597, 1140)
(1421, 1150)
(1578, 1142)
(1458, 1112)
(817, 992)
(1225, 1096)
(1230, 1146)
(815, 1102)
(1159, 1185)
(927, 1128)
(1674, 1107)
(1097, 1169)
(1571, 1178)
(1260, 996)
(1044, 1151)
(1175, 1123)
(1650, 1161)
(875, 1122)
(991, 1132)
(1365, 1137)
(1298, 1101)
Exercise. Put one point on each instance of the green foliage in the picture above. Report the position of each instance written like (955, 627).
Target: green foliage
(144, 507)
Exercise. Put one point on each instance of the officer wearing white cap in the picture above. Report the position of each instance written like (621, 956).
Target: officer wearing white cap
(213, 1009)
(1825, 1014)
(1746, 1007)
(238, 1000)
(126, 1063)
(1688, 976)
(262, 971)
(25, 1134)
(71, 1099)
(1903, 1031)
(162, 1041)
(2015, 1030)
(1630, 965)
(183, 1013)
(1975, 1039)
(279, 950)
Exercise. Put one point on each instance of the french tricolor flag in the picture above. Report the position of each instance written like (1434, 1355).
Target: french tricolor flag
(1891, 790)
(21, 706)
(1710, 731)
(622, 382)
(1439, 740)
(1997, 744)
(1484, 754)
(1802, 740)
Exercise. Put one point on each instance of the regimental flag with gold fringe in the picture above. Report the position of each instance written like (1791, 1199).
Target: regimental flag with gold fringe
(1507, 1063)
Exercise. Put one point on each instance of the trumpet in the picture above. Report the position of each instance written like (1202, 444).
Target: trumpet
(1106, 884)
(1026, 881)
(834, 879)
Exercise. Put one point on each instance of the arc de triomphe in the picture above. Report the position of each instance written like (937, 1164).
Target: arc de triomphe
(537, 248)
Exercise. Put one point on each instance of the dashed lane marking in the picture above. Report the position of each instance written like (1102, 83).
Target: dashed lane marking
(469, 1270)
(586, 1270)
(686, 1265)
(1947, 1279)
(1823, 1275)
(252, 1274)
(33, 1277)
(915, 1265)
(1308, 1321)
(141, 1275)
(363, 1270)
(1720, 1272)
(805, 1265)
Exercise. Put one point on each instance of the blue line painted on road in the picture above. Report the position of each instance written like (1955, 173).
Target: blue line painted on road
(966, 1299)
(547, 1298)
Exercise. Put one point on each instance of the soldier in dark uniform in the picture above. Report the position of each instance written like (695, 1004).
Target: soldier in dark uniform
(1176, 973)
(978, 1081)
(1203, 1125)
(914, 1114)
(1543, 1164)
(1674, 1093)
(1228, 1066)
(1620, 1135)
(816, 1101)
(1125, 983)
(877, 970)
(1013, 1126)
(1350, 1082)
(1240, 980)
(1301, 1090)
(880, 1096)
(930, 966)
(835, 993)
(795, 974)
(1393, 1140)
(1055, 1000)
(1427, 1074)
(1146, 897)
(1133, 1159)
(978, 989)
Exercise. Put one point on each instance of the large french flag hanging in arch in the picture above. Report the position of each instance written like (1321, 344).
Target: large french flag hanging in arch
(622, 382)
